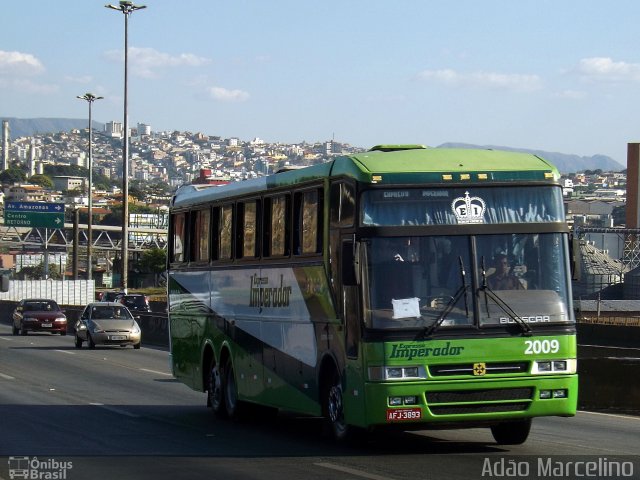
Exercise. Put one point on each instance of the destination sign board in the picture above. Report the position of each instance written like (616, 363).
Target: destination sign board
(34, 214)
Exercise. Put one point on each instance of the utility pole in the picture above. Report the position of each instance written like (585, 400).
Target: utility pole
(127, 8)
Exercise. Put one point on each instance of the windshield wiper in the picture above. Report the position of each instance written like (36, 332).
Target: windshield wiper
(488, 293)
(428, 331)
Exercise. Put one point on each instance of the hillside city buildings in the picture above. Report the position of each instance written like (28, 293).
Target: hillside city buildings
(171, 159)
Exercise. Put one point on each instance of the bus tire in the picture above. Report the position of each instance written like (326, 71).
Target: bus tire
(232, 405)
(511, 433)
(333, 407)
(215, 394)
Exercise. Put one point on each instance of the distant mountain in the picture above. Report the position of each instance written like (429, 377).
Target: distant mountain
(566, 163)
(26, 127)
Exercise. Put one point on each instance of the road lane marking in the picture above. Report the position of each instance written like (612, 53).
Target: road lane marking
(156, 372)
(351, 471)
(6, 377)
(7, 339)
(65, 351)
(119, 411)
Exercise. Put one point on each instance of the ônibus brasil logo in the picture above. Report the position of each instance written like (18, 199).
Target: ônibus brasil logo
(34, 468)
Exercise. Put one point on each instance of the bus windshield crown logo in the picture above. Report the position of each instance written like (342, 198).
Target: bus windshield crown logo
(469, 209)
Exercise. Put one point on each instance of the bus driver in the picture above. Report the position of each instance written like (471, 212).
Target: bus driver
(502, 279)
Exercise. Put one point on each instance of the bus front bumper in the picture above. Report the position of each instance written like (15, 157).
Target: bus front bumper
(466, 403)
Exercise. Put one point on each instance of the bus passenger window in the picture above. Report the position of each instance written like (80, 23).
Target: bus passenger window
(200, 231)
(249, 229)
(225, 229)
(278, 220)
(177, 254)
(308, 218)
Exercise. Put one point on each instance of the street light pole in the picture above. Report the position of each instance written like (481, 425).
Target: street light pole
(127, 8)
(90, 98)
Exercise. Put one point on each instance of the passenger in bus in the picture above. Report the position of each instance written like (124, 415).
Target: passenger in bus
(502, 278)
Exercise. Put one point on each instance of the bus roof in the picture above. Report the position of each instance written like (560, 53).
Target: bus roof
(389, 165)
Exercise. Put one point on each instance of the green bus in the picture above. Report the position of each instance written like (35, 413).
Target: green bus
(404, 287)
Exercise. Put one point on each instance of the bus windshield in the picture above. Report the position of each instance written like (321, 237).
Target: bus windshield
(410, 282)
(496, 205)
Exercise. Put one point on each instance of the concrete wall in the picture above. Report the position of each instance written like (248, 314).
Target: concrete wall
(609, 383)
(609, 335)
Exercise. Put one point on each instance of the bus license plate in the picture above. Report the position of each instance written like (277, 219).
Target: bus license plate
(402, 414)
(118, 337)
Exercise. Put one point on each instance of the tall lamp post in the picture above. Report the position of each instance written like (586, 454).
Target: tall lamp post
(90, 98)
(127, 8)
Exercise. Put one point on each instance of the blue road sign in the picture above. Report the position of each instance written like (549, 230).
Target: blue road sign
(34, 214)
(35, 207)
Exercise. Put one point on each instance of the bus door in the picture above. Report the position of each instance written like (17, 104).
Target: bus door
(351, 314)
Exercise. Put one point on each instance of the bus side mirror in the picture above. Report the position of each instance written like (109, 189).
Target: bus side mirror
(4, 283)
(349, 264)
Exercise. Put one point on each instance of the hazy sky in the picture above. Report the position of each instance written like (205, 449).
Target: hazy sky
(556, 75)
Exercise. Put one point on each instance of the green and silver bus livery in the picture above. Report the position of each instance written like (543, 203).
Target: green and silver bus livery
(405, 287)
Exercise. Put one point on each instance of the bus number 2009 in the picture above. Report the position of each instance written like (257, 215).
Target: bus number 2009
(534, 347)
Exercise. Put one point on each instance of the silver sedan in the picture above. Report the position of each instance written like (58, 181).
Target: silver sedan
(107, 323)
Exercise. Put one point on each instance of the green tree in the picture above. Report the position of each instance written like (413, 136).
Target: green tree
(37, 272)
(114, 218)
(137, 191)
(66, 171)
(153, 261)
(12, 175)
(619, 215)
(43, 180)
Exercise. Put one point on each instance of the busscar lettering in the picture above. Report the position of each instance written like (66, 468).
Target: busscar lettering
(530, 319)
(262, 295)
(410, 351)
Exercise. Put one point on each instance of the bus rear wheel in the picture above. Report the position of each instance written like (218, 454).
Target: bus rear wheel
(232, 405)
(214, 391)
(511, 433)
(333, 407)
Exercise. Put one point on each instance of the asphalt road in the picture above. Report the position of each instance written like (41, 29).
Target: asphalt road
(117, 413)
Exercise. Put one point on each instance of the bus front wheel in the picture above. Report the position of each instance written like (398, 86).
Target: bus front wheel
(511, 433)
(333, 407)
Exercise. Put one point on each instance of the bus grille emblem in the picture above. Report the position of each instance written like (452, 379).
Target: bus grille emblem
(479, 369)
(469, 209)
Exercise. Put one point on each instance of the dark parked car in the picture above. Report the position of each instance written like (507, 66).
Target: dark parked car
(111, 296)
(135, 302)
(38, 315)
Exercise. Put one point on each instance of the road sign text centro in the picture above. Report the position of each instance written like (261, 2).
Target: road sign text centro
(34, 214)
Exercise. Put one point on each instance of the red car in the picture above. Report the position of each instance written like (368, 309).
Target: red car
(38, 315)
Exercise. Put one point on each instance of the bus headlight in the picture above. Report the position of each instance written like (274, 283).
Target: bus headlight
(381, 374)
(546, 367)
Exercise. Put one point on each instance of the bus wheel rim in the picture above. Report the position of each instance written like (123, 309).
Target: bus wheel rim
(216, 387)
(335, 404)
